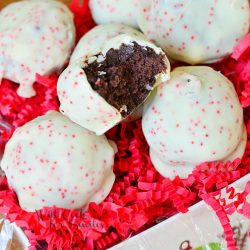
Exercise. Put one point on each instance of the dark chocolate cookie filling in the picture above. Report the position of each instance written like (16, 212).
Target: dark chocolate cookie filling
(126, 76)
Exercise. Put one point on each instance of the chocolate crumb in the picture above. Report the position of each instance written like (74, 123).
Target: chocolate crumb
(126, 75)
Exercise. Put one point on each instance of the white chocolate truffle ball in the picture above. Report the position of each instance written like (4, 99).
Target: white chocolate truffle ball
(35, 37)
(114, 11)
(195, 31)
(53, 161)
(194, 117)
(100, 96)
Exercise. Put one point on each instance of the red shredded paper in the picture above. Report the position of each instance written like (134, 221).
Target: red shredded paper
(140, 197)
(17, 110)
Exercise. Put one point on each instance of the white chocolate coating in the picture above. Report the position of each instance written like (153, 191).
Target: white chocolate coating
(92, 42)
(114, 11)
(195, 31)
(194, 117)
(53, 161)
(35, 37)
(78, 100)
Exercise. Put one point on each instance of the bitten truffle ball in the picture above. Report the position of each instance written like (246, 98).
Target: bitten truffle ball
(195, 31)
(114, 11)
(52, 161)
(112, 79)
(35, 37)
(193, 118)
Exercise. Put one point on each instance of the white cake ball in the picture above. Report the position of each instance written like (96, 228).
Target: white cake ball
(195, 31)
(193, 118)
(35, 37)
(114, 11)
(125, 61)
(53, 161)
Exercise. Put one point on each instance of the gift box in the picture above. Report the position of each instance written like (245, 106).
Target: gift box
(143, 210)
